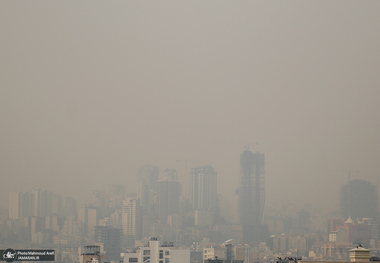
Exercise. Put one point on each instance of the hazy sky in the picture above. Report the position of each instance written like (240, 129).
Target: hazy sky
(90, 90)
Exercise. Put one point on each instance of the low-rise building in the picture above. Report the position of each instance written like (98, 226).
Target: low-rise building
(90, 254)
(155, 252)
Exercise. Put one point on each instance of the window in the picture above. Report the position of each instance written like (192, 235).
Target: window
(146, 252)
(167, 252)
(145, 259)
(133, 260)
(161, 254)
(167, 260)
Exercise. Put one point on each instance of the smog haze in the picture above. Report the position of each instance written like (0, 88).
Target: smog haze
(90, 91)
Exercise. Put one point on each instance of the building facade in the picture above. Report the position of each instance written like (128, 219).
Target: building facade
(148, 176)
(157, 252)
(131, 218)
(203, 188)
(359, 199)
(111, 238)
(168, 195)
(251, 194)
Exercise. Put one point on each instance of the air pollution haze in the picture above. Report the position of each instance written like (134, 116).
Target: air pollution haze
(91, 90)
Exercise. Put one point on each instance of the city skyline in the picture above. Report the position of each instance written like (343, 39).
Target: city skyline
(119, 221)
(246, 131)
(116, 208)
(184, 178)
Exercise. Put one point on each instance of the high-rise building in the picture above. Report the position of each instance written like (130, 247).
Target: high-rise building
(39, 203)
(251, 194)
(54, 204)
(88, 218)
(358, 199)
(69, 206)
(168, 195)
(71, 228)
(147, 186)
(115, 194)
(14, 205)
(146, 197)
(111, 239)
(203, 189)
(131, 218)
(149, 174)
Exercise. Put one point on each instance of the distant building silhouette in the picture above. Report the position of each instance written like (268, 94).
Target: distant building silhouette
(203, 190)
(40, 203)
(149, 174)
(131, 218)
(88, 218)
(251, 194)
(203, 193)
(168, 195)
(111, 239)
(147, 186)
(359, 199)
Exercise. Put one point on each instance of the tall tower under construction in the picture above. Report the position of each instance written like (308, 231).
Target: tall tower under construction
(251, 194)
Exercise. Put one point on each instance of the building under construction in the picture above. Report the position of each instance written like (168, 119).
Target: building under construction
(251, 194)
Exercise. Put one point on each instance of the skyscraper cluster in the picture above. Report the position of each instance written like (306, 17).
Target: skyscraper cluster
(40, 203)
(119, 219)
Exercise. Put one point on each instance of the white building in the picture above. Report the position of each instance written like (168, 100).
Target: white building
(156, 252)
(212, 251)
